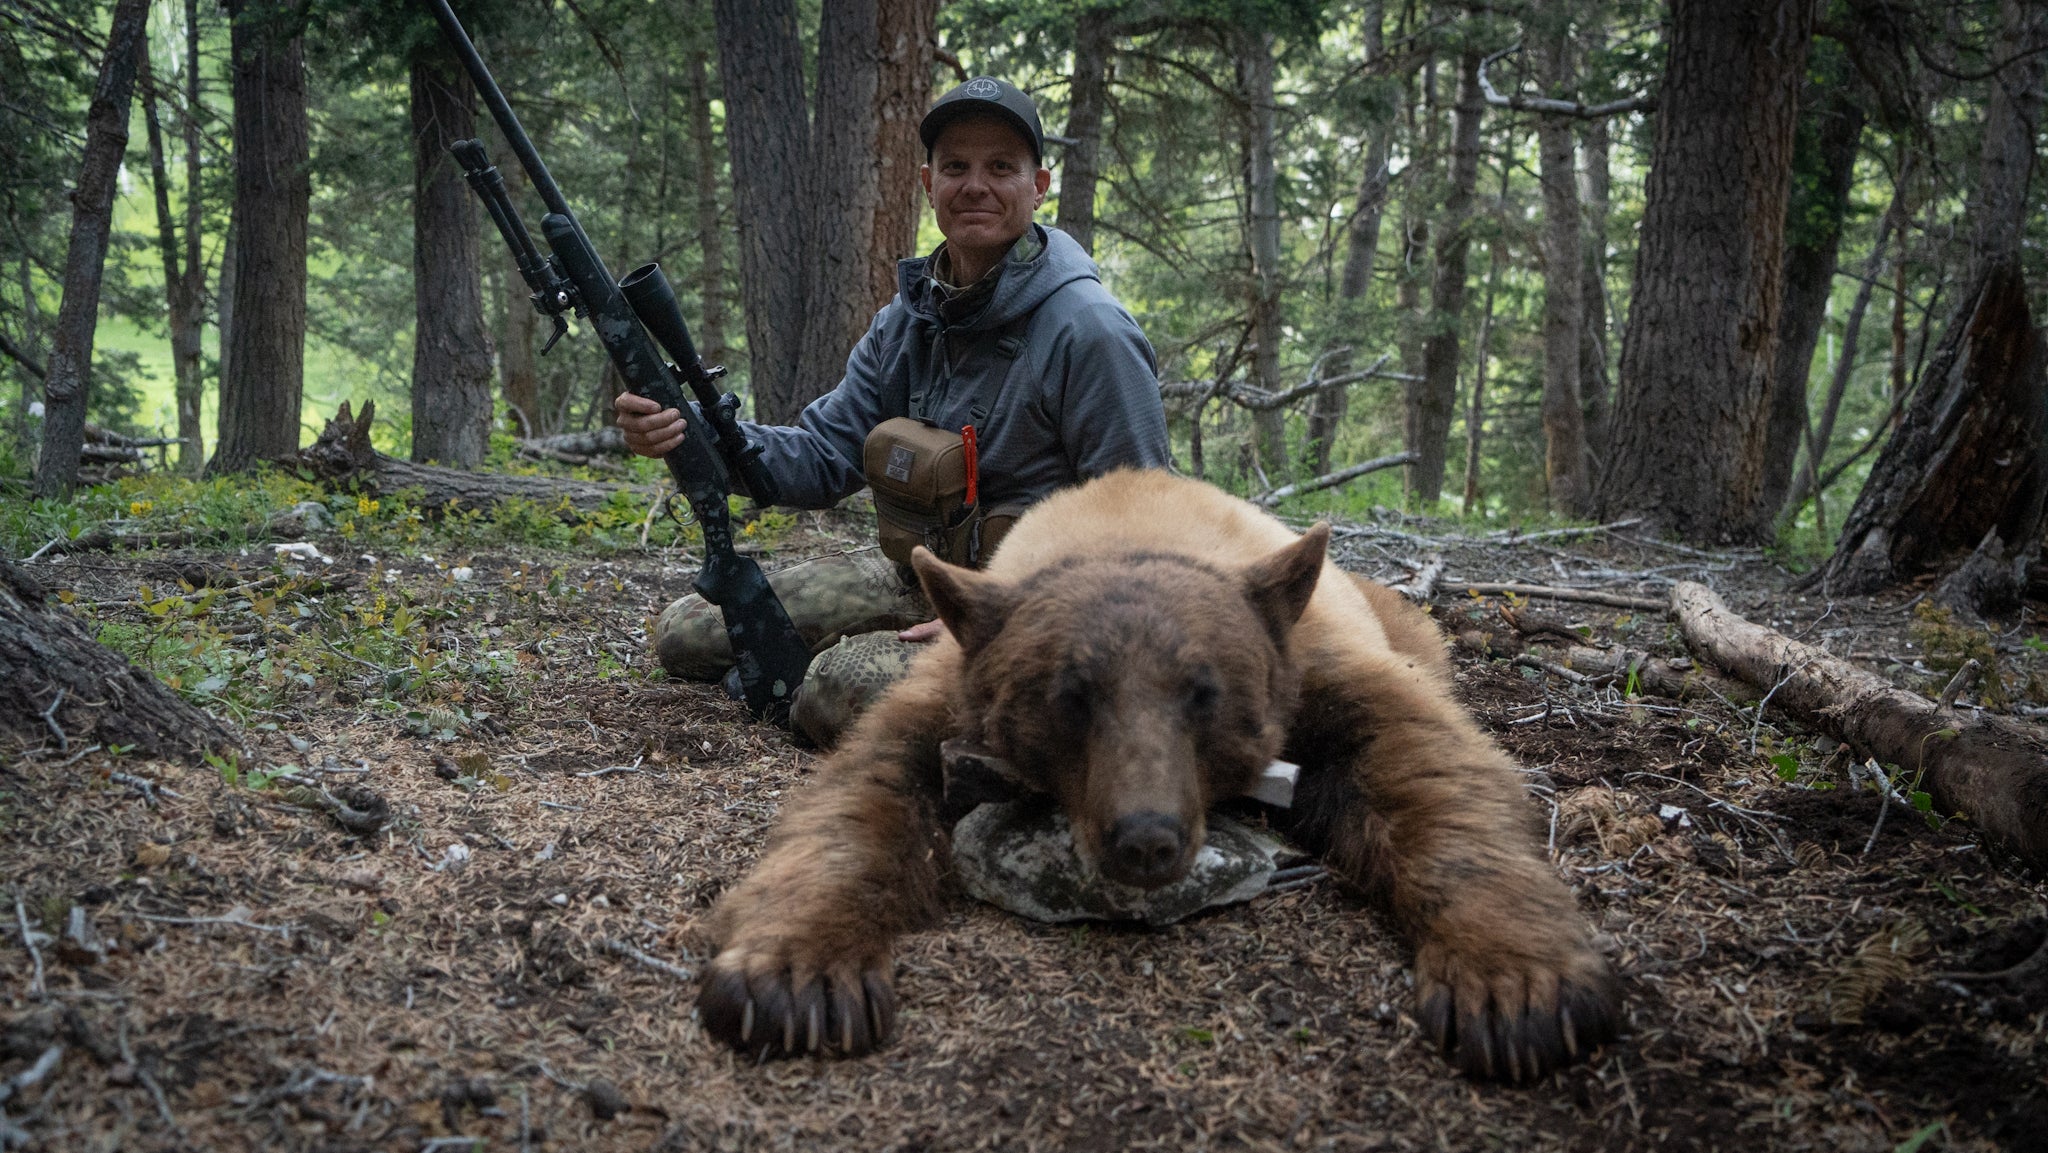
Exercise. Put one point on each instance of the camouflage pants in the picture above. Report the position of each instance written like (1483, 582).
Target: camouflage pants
(848, 606)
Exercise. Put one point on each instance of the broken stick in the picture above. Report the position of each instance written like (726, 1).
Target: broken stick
(1991, 770)
(1588, 596)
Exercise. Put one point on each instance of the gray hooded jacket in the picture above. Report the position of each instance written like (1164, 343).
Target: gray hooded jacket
(1067, 382)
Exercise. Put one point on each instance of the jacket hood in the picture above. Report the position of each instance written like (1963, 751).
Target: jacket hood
(1022, 288)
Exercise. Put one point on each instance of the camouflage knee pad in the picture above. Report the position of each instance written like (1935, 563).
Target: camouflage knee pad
(828, 598)
(844, 680)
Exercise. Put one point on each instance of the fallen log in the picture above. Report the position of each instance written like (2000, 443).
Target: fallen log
(606, 441)
(289, 524)
(343, 455)
(60, 686)
(1991, 770)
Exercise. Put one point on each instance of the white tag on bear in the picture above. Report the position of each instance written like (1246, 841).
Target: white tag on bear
(1276, 785)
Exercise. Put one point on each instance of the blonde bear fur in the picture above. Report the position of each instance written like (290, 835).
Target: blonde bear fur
(1140, 648)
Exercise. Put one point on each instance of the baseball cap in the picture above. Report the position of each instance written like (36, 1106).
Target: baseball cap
(985, 96)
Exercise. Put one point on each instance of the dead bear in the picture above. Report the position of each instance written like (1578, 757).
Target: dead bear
(1141, 648)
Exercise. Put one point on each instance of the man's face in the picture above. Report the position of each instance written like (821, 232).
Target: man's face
(983, 184)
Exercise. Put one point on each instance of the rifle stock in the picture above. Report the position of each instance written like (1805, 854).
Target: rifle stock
(768, 652)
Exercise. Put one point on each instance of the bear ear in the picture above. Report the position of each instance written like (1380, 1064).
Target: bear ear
(1279, 585)
(974, 605)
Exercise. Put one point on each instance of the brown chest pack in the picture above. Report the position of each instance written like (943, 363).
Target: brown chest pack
(926, 478)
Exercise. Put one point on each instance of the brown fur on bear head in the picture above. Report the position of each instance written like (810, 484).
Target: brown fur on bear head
(1134, 688)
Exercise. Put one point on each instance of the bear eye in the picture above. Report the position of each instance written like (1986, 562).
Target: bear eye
(1199, 695)
(1073, 700)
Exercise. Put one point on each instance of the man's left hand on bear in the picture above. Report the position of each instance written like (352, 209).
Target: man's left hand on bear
(1140, 648)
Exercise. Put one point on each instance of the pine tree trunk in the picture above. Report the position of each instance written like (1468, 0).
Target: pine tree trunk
(840, 232)
(768, 135)
(1697, 358)
(1596, 390)
(263, 375)
(181, 306)
(906, 31)
(192, 387)
(711, 288)
(1361, 249)
(1825, 163)
(451, 351)
(1438, 398)
(66, 387)
(1089, 97)
(519, 334)
(1419, 181)
(59, 685)
(1564, 427)
(1262, 237)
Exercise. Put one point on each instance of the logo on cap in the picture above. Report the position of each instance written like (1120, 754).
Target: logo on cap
(983, 89)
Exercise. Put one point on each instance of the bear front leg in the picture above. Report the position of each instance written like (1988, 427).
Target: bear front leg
(1423, 810)
(805, 940)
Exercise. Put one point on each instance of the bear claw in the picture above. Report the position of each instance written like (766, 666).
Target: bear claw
(1488, 1037)
(768, 1014)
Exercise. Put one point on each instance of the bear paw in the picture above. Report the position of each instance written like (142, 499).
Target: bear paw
(765, 1006)
(1502, 1014)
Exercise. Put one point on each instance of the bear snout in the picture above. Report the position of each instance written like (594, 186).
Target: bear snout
(1145, 849)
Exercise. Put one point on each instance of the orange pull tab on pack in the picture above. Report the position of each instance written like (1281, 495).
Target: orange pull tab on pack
(973, 496)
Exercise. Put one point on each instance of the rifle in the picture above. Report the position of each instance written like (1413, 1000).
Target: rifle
(770, 656)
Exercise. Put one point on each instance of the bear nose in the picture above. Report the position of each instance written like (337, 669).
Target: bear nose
(1144, 848)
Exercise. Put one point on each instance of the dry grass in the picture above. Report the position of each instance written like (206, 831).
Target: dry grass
(395, 995)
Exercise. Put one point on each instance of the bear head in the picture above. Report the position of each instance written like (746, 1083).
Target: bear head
(1136, 688)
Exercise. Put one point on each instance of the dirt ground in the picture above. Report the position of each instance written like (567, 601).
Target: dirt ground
(506, 965)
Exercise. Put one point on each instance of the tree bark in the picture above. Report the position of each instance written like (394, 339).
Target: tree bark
(181, 299)
(906, 31)
(1437, 398)
(1088, 96)
(1825, 163)
(1697, 357)
(451, 351)
(1361, 249)
(1564, 418)
(67, 386)
(1262, 236)
(1991, 770)
(767, 133)
(263, 374)
(1967, 468)
(57, 684)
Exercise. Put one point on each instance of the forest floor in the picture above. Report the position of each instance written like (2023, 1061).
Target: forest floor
(467, 978)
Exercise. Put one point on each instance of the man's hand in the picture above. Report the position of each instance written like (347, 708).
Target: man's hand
(922, 634)
(650, 429)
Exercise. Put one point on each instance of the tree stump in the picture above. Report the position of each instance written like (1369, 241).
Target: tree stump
(58, 684)
(343, 455)
(1966, 472)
